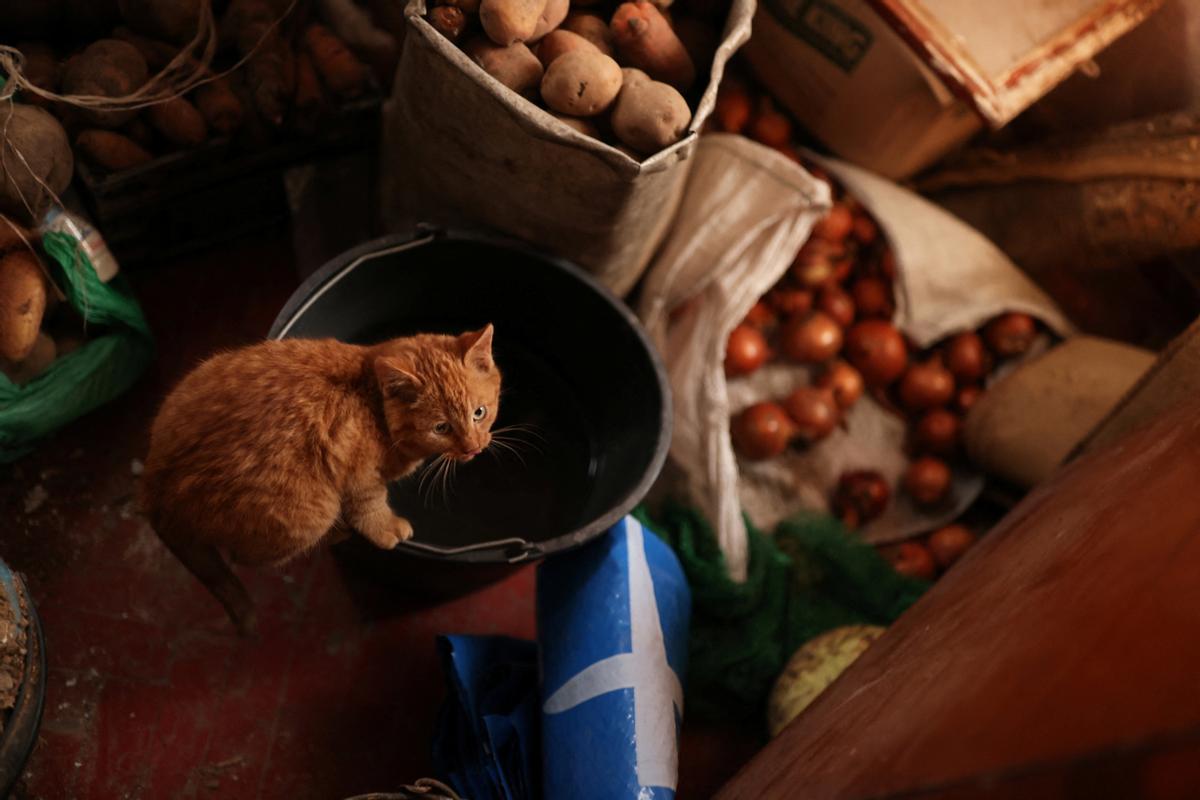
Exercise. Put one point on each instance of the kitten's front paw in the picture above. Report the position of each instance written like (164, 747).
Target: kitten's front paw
(402, 529)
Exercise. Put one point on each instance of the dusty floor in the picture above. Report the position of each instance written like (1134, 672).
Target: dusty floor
(150, 695)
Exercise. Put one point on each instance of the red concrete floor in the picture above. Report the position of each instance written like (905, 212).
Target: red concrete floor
(150, 694)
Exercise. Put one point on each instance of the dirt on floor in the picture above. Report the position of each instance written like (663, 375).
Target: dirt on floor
(12, 656)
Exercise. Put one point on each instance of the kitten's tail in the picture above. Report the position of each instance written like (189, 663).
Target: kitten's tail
(205, 562)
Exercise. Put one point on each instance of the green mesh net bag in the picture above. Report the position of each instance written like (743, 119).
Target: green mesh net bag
(119, 348)
(809, 577)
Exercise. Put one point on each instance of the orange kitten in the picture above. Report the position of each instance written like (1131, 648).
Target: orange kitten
(261, 453)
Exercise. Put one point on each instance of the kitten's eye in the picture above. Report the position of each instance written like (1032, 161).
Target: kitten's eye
(442, 428)
(480, 413)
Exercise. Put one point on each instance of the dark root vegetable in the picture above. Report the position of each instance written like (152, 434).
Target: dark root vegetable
(873, 298)
(810, 338)
(761, 431)
(814, 411)
(836, 225)
(937, 433)
(1010, 334)
(948, 544)
(966, 357)
(860, 496)
(817, 262)
(745, 352)
(910, 559)
(787, 302)
(927, 385)
(837, 303)
(760, 316)
(927, 480)
(877, 351)
(844, 381)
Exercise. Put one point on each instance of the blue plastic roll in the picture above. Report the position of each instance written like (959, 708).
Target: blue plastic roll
(613, 624)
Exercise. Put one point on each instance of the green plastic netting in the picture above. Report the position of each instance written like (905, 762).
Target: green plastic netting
(97, 372)
(809, 577)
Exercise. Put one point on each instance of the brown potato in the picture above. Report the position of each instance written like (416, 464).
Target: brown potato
(179, 122)
(39, 359)
(581, 83)
(649, 115)
(22, 303)
(514, 66)
(584, 126)
(592, 28)
(111, 150)
(560, 42)
(107, 68)
(509, 21)
(552, 16)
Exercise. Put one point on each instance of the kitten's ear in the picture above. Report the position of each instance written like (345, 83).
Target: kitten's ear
(476, 348)
(396, 380)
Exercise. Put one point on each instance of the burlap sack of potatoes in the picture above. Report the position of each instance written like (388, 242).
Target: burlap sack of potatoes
(461, 149)
(745, 213)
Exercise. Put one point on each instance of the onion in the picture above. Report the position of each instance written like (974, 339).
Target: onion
(966, 398)
(1010, 334)
(843, 381)
(814, 411)
(790, 301)
(761, 431)
(927, 385)
(927, 480)
(760, 316)
(838, 304)
(771, 128)
(816, 262)
(810, 338)
(836, 225)
(865, 229)
(745, 351)
(966, 358)
(949, 543)
(937, 432)
(877, 350)
(872, 298)
(860, 496)
(911, 559)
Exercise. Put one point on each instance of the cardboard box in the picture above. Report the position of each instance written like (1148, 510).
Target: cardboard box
(896, 84)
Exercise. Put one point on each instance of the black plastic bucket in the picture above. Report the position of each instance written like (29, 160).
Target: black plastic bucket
(580, 376)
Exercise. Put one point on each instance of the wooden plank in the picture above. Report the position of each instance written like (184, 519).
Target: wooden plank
(1172, 379)
(1069, 631)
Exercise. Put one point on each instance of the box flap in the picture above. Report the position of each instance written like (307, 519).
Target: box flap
(1003, 57)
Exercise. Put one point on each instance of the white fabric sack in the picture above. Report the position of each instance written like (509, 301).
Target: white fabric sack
(745, 213)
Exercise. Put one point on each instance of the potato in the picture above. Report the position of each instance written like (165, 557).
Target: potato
(468, 6)
(221, 108)
(584, 126)
(581, 83)
(178, 121)
(139, 131)
(22, 303)
(173, 20)
(514, 66)
(645, 40)
(559, 43)
(39, 359)
(509, 21)
(107, 68)
(552, 16)
(45, 157)
(592, 28)
(111, 150)
(649, 115)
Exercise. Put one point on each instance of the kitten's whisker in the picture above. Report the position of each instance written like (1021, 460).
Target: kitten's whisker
(511, 440)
